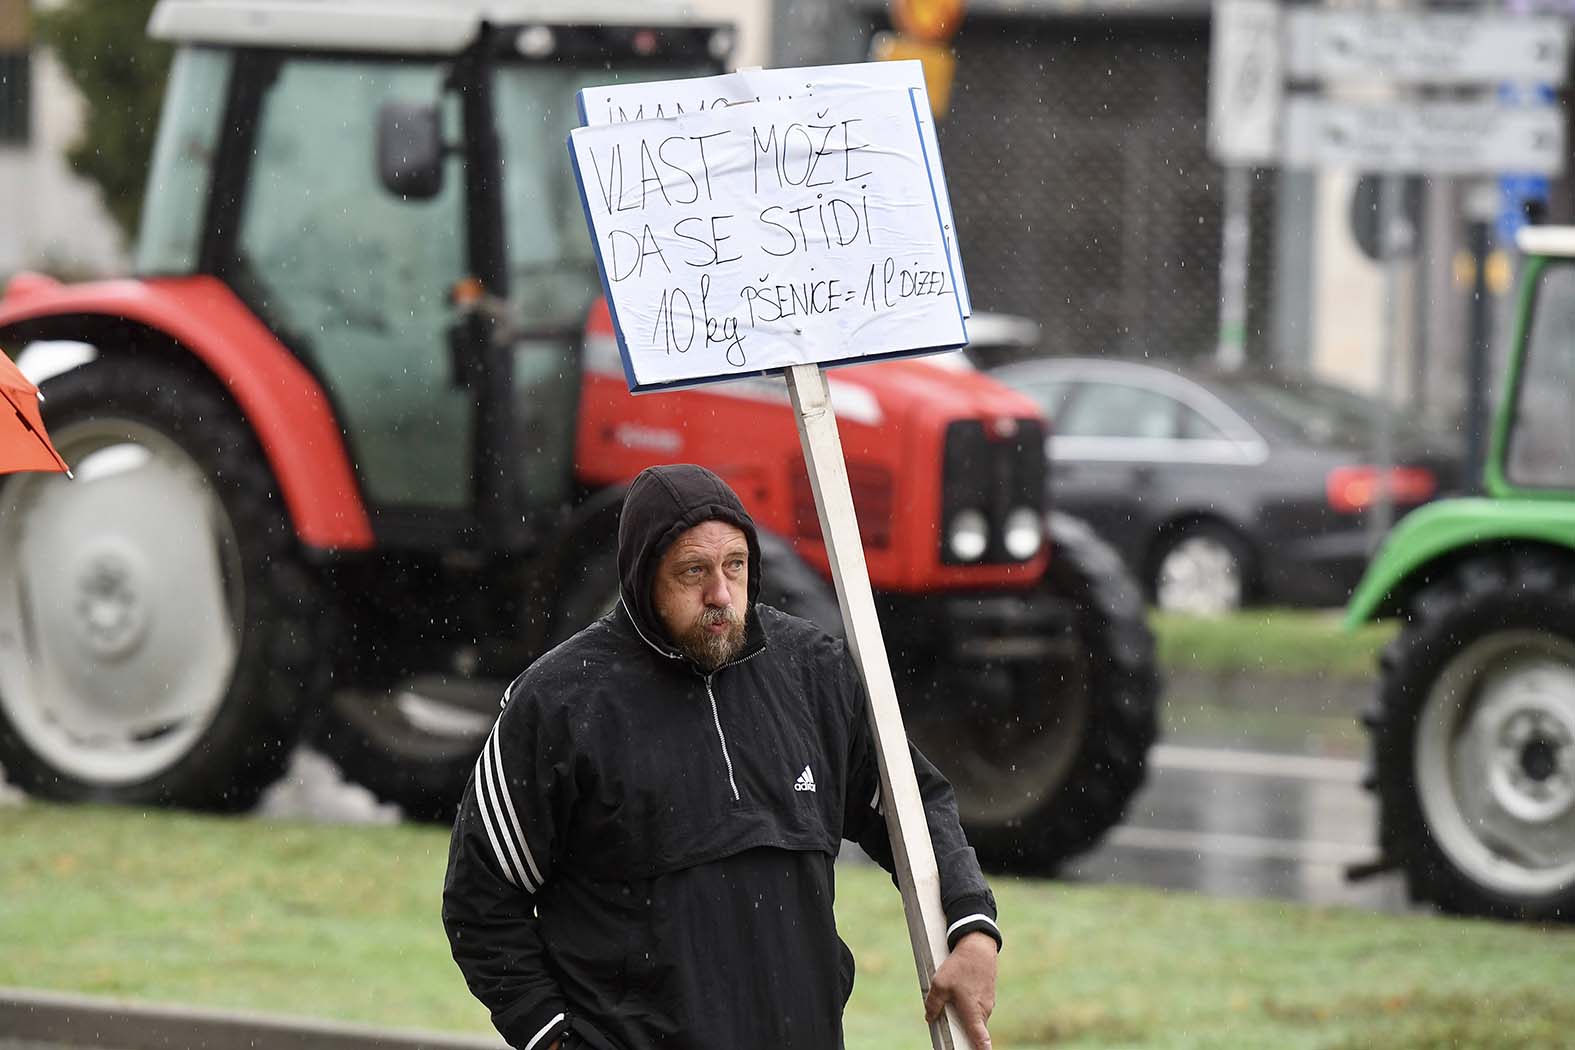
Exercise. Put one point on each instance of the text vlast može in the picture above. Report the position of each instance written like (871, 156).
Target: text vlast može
(743, 230)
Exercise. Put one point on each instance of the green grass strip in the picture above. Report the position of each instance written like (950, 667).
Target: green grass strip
(343, 923)
(1301, 643)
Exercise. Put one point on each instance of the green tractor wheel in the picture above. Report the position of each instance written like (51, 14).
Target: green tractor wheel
(1474, 740)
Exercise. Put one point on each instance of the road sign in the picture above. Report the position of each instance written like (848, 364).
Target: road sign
(1245, 82)
(1437, 138)
(1417, 47)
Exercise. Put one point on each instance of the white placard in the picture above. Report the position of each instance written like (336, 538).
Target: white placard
(1438, 138)
(1426, 46)
(617, 103)
(744, 239)
(1245, 82)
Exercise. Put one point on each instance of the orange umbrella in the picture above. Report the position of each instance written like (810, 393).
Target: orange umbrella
(23, 443)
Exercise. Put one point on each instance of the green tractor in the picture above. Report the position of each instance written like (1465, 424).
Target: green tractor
(1473, 732)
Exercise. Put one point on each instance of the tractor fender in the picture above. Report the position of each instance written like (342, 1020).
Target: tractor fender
(281, 400)
(1433, 537)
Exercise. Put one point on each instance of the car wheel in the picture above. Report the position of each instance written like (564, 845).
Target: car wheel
(1474, 741)
(1202, 571)
(158, 630)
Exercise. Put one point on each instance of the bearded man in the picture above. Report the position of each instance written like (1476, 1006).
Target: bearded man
(644, 857)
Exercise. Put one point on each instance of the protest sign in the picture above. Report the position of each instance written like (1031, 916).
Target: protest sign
(620, 103)
(746, 239)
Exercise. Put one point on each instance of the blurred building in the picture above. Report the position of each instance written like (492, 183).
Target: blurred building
(1075, 158)
(49, 218)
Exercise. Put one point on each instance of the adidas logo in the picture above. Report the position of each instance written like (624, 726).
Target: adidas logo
(805, 781)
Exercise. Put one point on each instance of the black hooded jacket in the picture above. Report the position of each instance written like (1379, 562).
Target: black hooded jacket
(644, 857)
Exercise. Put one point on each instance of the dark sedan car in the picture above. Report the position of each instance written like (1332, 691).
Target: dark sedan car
(1222, 489)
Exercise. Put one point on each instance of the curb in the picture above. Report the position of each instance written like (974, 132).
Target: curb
(80, 1021)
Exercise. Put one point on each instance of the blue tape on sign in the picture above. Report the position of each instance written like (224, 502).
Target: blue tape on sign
(915, 96)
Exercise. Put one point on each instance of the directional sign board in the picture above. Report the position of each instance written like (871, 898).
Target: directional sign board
(1425, 47)
(618, 103)
(1245, 82)
(1441, 138)
(744, 239)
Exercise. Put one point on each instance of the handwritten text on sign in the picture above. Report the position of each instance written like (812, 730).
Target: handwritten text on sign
(753, 237)
(617, 103)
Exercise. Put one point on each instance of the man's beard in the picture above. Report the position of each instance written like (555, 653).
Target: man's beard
(710, 651)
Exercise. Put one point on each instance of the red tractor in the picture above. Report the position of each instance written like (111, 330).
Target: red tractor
(349, 451)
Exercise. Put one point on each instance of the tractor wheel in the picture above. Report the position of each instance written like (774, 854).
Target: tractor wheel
(416, 745)
(157, 627)
(1474, 740)
(1047, 786)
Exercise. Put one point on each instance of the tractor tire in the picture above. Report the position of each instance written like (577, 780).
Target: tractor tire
(1047, 787)
(158, 629)
(416, 745)
(1473, 740)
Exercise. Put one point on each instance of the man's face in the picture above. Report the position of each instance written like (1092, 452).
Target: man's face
(701, 592)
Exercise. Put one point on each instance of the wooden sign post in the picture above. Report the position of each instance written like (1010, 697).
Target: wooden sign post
(773, 237)
(917, 874)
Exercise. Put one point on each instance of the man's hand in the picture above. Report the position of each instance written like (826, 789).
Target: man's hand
(966, 980)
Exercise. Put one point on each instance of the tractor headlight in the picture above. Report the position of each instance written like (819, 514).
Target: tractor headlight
(1023, 534)
(968, 535)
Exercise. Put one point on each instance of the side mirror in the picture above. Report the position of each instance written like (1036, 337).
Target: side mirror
(410, 149)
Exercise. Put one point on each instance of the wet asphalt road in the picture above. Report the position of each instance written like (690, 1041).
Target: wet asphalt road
(1213, 820)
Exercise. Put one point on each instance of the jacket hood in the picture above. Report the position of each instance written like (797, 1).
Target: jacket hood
(661, 505)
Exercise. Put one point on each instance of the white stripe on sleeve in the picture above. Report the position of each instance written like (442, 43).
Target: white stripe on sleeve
(484, 807)
(508, 801)
(965, 920)
(545, 1029)
(486, 771)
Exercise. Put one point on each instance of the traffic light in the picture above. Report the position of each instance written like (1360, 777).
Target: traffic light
(924, 30)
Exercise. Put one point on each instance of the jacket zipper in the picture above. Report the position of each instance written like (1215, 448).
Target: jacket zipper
(716, 720)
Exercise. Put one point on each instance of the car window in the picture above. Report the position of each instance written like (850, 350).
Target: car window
(1117, 410)
(1195, 426)
(1047, 393)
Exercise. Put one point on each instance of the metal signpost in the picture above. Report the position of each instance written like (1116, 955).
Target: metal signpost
(1393, 54)
(739, 237)
(1244, 110)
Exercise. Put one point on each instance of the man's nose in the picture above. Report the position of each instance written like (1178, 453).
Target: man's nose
(716, 591)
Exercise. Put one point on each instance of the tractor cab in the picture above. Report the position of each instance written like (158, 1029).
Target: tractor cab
(384, 187)
(1533, 452)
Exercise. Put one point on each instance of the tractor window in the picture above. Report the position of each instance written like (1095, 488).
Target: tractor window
(553, 277)
(1541, 448)
(182, 169)
(356, 280)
